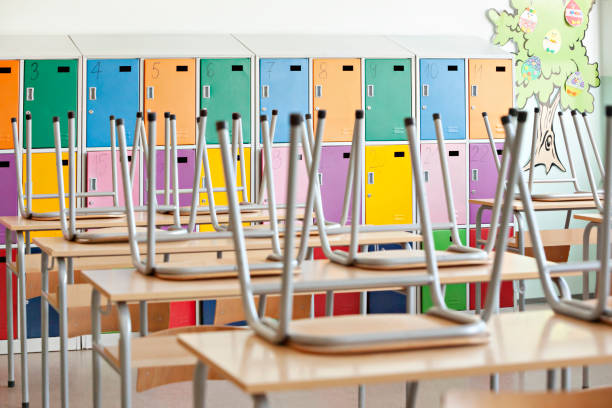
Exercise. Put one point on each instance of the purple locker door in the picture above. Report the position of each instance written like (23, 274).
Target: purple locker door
(186, 168)
(433, 182)
(455, 153)
(99, 178)
(8, 205)
(280, 168)
(333, 169)
(483, 176)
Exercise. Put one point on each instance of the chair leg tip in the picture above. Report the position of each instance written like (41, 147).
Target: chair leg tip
(11, 384)
(25, 404)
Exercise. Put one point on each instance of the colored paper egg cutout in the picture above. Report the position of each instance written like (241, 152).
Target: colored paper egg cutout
(573, 14)
(552, 42)
(528, 20)
(574, 84)
(532, 68)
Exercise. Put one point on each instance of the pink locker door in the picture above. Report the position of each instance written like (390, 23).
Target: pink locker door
(280, 169)
(99, 178)
(483, 176)
(455, 155)
(186, 167)
(333, 169)
(8, 204)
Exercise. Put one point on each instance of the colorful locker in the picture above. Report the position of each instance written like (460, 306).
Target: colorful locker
(483, 176)
(280, 169)
(99, 178)
(283, 86)
(388, 98)
(225, 89)
(333, 169)
(3, 322)
(430, 161)
(9, 103)
(490, 91)
(49, 89)
(8, 204)
(169, 86)
(186, 166)
(455, 296)
(112, 89)
(388, 187)
(218, 179)
(443, 92)
(337, 89)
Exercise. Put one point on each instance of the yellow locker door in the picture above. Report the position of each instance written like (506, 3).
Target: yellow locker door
(44, 176)
(218, 179)
(337, 89)
(170, 86)
(388, 188)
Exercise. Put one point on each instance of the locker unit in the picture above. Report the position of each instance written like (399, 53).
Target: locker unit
(99, 178)
(344, 303)
(8, 204)
(337, 89)
(49, 89)
(280, 169)
(333, 169)
(113, 88)
(186, 167)
(388, 98)
(226, 88)
(218, 179)
(490, 86)
(442, 90)
(283, 85)
(9, 103)
(430, 162)
(483, 176)
(169, 86)
(388, 189)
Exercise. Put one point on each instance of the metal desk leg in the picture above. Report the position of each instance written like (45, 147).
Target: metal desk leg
(125, 353)
(329, 303)
(411, 393)
(95, 340)
(411, 299)
(199, 385)
(478, 226)
(260, 401)
(478, 297)
(144, 318)
(261, 306)
(62, 277)
(23, 333)
(521, 249)
(550, 379)
(9, 308)
(44, 328)
(70, 271)
(363, 309)
(28, 247)
(494, 382)
(585, 256)
(566, 378)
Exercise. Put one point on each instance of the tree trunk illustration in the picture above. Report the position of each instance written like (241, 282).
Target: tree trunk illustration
(546, 148)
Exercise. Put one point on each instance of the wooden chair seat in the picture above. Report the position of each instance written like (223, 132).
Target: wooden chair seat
(402, 253)
(565, 197)
(376, 324)
(83, 216)
(555, 237)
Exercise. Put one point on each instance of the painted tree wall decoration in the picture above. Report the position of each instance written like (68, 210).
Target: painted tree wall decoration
(551, 62)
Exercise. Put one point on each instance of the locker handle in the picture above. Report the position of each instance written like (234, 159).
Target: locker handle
(318, 91)
(320, 175)
(64, 162)
(150, 92)
(5, 163)
(2, 259)
(206, 91)
(426, 176)
(93, 184)
(474, 174)
(371, 177)
(370, 91)
(474, 90)
(425, 90)
(92, 93)
(29, 94)
(500, 152)
(265, 91)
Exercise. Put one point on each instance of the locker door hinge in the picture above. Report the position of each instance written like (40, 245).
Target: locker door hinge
(425, 90)
(93, 184)
(371, 177)
(206, 91)
(318, 91)
(370, 91)
(92, 93)
(265, 91)
(474, 174)
(150, 92)
(29, 94)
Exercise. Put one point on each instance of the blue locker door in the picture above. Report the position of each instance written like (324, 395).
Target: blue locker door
(283, 85)
(442, 90)
(112, 89)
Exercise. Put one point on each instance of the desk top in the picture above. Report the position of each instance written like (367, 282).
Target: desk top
(17, 223)
(315, 276)
(59, 247)
(517, 205)
(595, 217)
(519, 341)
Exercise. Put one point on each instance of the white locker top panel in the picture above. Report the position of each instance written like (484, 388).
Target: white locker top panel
(159, 45)
(37, 47)
(322, 46)
(450, 47)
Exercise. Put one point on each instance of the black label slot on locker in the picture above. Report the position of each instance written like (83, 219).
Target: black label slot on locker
(64, 162)
(126, 68)
(453, 153)
(500, 69)
(63, 69)
(5, 164)
(181, 159)
(237, 68)
(347, 67)
(300, 156)
(346, 155)
(398, 154)
(295, 68)
(182, 68)
(129, 158)
(453, 68)
(237, 157)
(5, 70)
(398, 68)
(500, 152)
(2, 259)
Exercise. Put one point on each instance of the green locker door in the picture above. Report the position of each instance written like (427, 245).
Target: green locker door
(388, 98)
(50, 89)
(456, 293)
(225, 89)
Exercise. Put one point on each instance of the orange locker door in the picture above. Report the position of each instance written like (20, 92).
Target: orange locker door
(337, 89)
(170, 86)
(9, 101)
(490, 91)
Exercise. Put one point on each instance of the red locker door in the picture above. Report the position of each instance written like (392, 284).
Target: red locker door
(3, 322)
